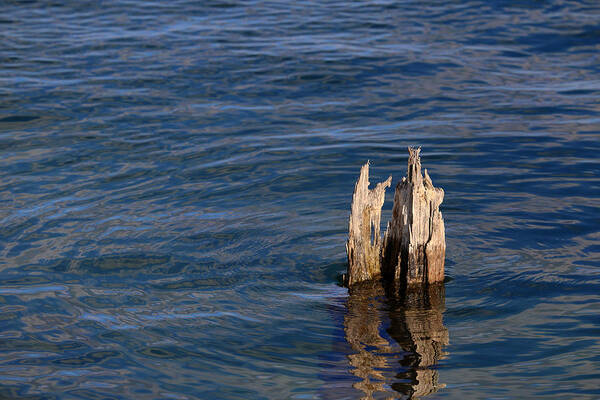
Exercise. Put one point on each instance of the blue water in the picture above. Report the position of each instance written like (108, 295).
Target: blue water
(176, 178)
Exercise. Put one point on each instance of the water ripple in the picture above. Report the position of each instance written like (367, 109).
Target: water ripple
(175, 180)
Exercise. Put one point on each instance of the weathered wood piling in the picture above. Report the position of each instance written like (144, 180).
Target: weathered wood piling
(413, 248)
(364, 237)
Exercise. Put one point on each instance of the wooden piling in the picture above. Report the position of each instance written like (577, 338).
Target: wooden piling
(413, 249)
(364, 229)
(415, 242)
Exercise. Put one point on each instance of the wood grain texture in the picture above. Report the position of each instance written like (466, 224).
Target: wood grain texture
(415, 241)
(413, 249)
(364, 229)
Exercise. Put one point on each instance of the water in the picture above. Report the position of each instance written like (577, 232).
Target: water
(176, 177)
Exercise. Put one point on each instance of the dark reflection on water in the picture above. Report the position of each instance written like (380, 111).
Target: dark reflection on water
(404, 359)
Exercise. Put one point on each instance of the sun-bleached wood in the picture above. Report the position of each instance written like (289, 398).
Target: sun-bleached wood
(364, 229)
(415, 241)
(413, 249)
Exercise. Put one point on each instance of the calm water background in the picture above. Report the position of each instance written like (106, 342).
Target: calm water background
(176, 177)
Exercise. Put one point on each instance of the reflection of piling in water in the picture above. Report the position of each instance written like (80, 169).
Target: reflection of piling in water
(362, 325)
(415, 325)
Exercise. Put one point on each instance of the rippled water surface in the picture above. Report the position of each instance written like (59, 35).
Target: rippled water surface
(176, 177)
